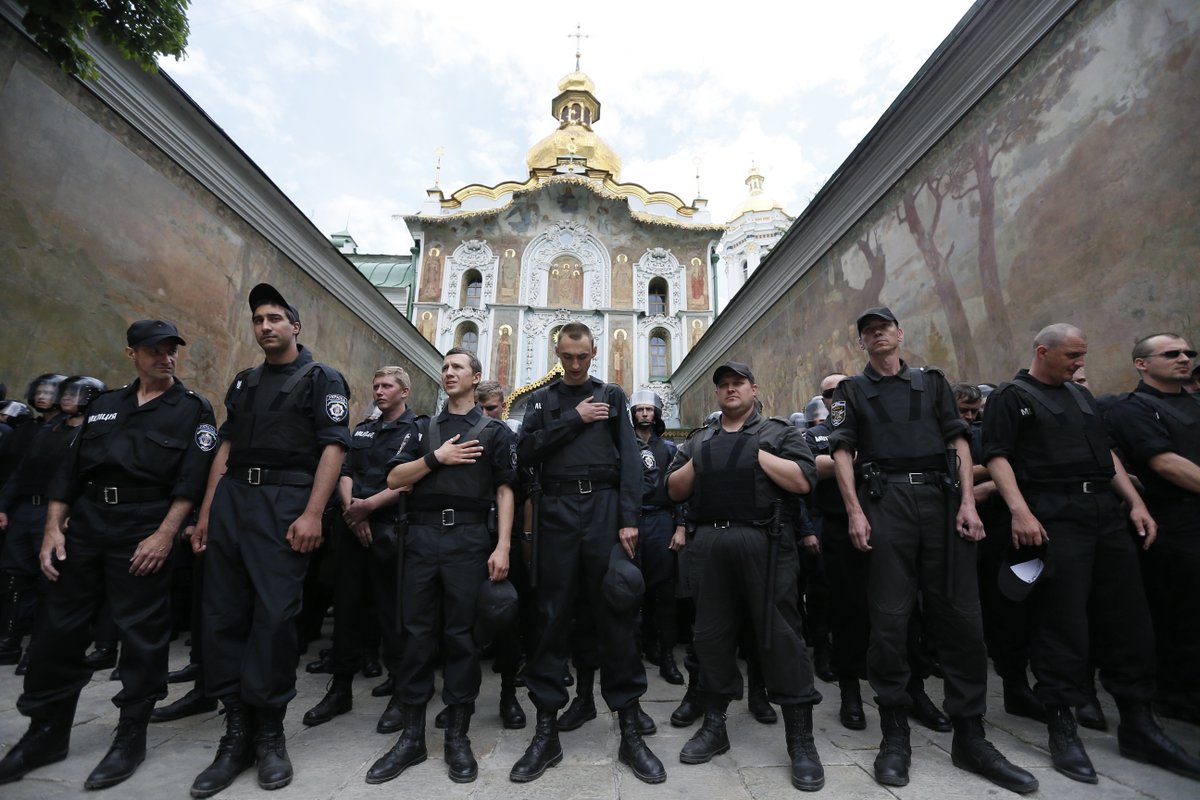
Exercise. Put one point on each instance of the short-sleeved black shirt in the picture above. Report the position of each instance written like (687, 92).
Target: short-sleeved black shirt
(1140, 431)
(499, 448)
(372, 445)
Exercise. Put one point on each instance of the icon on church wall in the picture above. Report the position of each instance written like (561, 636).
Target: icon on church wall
(565, 289)
(618, 359)
(509, 277)
(431, 276)
(696, 332)
(426, 326)
(504, 357)
(697, 285)
(622, 282)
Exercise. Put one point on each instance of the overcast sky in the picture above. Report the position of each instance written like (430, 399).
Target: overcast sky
(344, 103)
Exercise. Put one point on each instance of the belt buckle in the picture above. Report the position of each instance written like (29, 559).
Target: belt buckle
(916, 478)
(720, 523)
(447, 517)
(110, 495)
(36, 500)
(254, 476)
(585, 487)
(1092, 487)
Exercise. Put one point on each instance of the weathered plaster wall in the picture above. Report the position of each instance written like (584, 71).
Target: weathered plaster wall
(100, 228)
(1070, 193)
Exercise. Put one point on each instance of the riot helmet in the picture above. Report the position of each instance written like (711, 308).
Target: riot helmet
(797, 420)
(815, 411)
(14, 412)
(645, 397)
(80, 390)
(43, 391)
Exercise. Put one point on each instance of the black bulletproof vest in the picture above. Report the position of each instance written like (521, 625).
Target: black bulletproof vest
(662, 457)
(1181, 416)
(462, 486)
(372, 446)
(592, 454)
(44, 457)
(826, 496)
(1068, 444)
(903, 432)
(270, 428)
(726, 466)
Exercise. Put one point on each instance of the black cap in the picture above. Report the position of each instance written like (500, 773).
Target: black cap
(495, 610)
(266, 293)
(1020, 570)
(883, 312)
(623, 585)
(151, 331)
(735, 367)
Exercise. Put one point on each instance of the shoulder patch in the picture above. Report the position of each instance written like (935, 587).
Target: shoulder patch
(837, 413)
(337, 407)
(648, 460)
(206, 437)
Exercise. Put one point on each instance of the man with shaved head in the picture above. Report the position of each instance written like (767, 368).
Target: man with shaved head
(1049, 453)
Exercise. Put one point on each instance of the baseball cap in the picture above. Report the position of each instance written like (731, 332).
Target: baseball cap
(151, 331)
(735, 367)
(883, 312)
(266, 293)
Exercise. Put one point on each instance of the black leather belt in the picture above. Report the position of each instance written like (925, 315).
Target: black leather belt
(447, 517)
(1074, 487)
(732, 523)
(583, 486)
(121, 495)
(913, 478)
(256, 476)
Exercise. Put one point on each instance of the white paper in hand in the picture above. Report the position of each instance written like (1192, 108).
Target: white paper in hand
(1028, 571)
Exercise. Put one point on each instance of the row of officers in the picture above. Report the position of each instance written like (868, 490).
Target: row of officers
(584, 511)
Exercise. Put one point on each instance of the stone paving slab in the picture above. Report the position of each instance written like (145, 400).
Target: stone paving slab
(331, 760)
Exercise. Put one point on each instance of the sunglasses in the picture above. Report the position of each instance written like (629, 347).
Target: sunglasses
(1173, 354)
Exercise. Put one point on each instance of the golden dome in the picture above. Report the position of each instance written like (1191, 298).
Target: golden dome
(757, 201)
(577, 81)
(574, 139)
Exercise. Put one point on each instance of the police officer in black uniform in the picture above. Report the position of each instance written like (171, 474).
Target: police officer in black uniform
(577, 437)
(137, 467)
(462, 463)
(1051, 458)
(1157, 427)
(741, 475)
(282, 447)
(367, 539)
(920, 528)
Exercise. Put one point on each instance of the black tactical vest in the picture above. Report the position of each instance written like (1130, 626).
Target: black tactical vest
(462, 486)
(825, 496)
(903, 432)
(662, 456)
(592, 454)
(1068, 444)
(270, 427)
(1182, 420)
(49, 448)
(726, 467)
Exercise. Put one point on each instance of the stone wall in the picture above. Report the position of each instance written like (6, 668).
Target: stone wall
(101, 227)
(1069, 192)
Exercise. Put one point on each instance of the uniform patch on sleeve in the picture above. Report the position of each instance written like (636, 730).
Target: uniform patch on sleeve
(337, 407)
(512, 454)
(838, 413)
(206, 437)
(648, 460)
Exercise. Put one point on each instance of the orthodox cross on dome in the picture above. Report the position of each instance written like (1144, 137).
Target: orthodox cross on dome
(437, 169)
(578, 35)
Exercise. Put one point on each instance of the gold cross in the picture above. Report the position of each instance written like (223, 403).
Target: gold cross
(577, 36)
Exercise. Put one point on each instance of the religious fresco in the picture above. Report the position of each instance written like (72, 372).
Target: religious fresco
(504, 349)
(620, 363)
(622, 281)
(510, 277)
(695, 331)
(431, 275)
(80, 267)
(697, 284)
(1068, 193)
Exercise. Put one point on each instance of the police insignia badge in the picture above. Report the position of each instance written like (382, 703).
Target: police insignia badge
(648, 459)
(337, 407)
(838, 413)
(512, 452)
(206, 437)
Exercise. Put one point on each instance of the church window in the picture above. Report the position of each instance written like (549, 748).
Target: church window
(587, 116)
(656, 297)
(660, 354)
(745, 270)
(468, 337)
(472, 294)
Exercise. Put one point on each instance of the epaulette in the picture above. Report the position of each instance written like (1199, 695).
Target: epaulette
(933, 369)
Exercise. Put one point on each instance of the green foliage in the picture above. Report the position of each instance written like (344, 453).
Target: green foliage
(139, 29)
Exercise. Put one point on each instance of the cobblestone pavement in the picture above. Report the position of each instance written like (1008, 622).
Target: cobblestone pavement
(331, 759)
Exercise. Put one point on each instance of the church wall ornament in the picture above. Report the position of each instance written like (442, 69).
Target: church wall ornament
(536, 326)
(658, 262)
(566, 239)
(472, 254)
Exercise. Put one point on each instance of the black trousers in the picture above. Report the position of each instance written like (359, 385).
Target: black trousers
(253, 586)
(1171, 568)
(658, 563)
(1089, 602)
(732, 589)
(96, 570)
(577, 535)
(23, 539)
(513, 642)
(1006, 624)
(913, 548)
(849, 622)
(365, 591)
(444, 567)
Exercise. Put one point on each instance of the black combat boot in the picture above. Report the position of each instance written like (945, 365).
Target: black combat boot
(646, 726)
(460, 761)
(895, 752)
(807, 773)
(46, 741)
(689, 709)
(923, 709)
(103, 657)
(543, 752)
(385, 689)
(823, 661)
(235, 752)
(756, 695)
(1020, 701)
(970, 750)
(392, 718)
(1141, 738)
(409, 750)
(512, 716)
(339, 699)
(186, 674)
(192, 703)
(442, 718)
(128, 748)
(634, 752)
(1066, 751)
(667, 668)
(1090, 714)
(583, 706)
(851, 710)
(711, 739)
(270, 749)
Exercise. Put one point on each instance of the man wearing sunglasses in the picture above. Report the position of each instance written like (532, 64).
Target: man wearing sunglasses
(1157, 427)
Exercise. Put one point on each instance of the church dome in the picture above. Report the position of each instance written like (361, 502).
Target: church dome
(757, 201)
(576, 109)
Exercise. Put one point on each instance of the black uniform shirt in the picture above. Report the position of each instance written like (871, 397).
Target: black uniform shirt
(499, 449)
(167, 442)
(41, 461)
(372, 445)
(848, 419)
(826, 497)
(1142, 434)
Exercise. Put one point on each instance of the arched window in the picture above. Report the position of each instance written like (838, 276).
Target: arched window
(468, 337)
(745, 270)
(656, 297)
(660, 354)
(472, 289)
